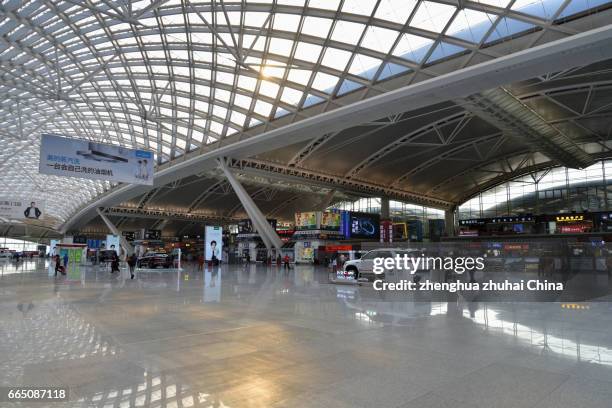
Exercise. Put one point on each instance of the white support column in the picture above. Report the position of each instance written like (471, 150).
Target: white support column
(129, 249)
(267, 234)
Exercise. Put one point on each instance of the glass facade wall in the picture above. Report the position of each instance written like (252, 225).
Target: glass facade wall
(548, 191)
(398, 210)
(17, 244)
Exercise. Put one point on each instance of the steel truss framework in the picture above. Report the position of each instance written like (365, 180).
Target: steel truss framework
(184, 76)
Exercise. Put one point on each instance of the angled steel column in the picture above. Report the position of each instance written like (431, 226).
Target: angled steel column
(129, 249)
(267, 234)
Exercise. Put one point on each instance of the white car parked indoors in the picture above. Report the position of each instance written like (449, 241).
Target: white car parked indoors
(364, 267)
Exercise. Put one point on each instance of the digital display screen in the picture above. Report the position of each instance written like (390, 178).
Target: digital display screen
(366, 226)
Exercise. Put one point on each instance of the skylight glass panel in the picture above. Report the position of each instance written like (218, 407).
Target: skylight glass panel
(336, 59)
(412, 47)
(396, 11)
(255, 19)
(238, 118)
(273, 69)
(379, 39)
(200, 106)
(444, 50)
(471, 25)
(545, 9)
(286, 22)
(312, 100)
(497, 3)
(216, 127)
(300, 76)
(268, 89)
(243, 101)
(308, 52)
(291, 96)
(219, 111)
(225, 77)
(348, 86)
(222, 94)
(263, 108)
(432, 16)
(364, 66)
(281, 46)
(324, 82)
(390, 69)
(347, 32)
(324, 4)
(246, 82)
(202, 90)
(364, 7)
(507, 27)
(577, 6)
(316, 26)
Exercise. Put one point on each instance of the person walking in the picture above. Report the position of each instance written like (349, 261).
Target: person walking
(131, 261)
(286, 262)
(58, 265)
(66, 260)
(115, 264)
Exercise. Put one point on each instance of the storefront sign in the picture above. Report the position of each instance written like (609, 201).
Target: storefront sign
(475, 221)
(512, 219)
(569, 218)
(573, 229)
(61, 156)
(338, 248)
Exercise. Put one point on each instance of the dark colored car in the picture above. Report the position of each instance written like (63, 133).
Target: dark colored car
(154, 260)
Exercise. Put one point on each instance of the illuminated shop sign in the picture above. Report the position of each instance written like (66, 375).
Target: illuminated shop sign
(569, 218)
(511, 219)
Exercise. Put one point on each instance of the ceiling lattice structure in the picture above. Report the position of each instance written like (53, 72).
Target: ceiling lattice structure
(181, 76)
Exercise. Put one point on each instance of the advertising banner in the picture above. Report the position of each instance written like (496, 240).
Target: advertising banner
(18, 209)
(62, 156)
(306, 221)
(112, 243)
(213, 244)
(330, 221)
(246, 226)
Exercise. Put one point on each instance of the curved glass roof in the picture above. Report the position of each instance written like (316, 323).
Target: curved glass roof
(177, 76)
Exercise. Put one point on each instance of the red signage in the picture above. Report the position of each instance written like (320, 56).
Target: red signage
(573, 229)
(338, 248)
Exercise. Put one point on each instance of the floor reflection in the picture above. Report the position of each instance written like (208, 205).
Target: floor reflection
(254, 336)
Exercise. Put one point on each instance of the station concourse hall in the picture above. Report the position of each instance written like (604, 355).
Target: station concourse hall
(306, 203)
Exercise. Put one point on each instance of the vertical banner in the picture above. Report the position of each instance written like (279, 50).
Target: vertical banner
(213, 244)
(386, 231)
(52, 247)
(112, 243)
(61, 156)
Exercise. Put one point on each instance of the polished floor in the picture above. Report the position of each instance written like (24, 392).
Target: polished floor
(263, 337)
